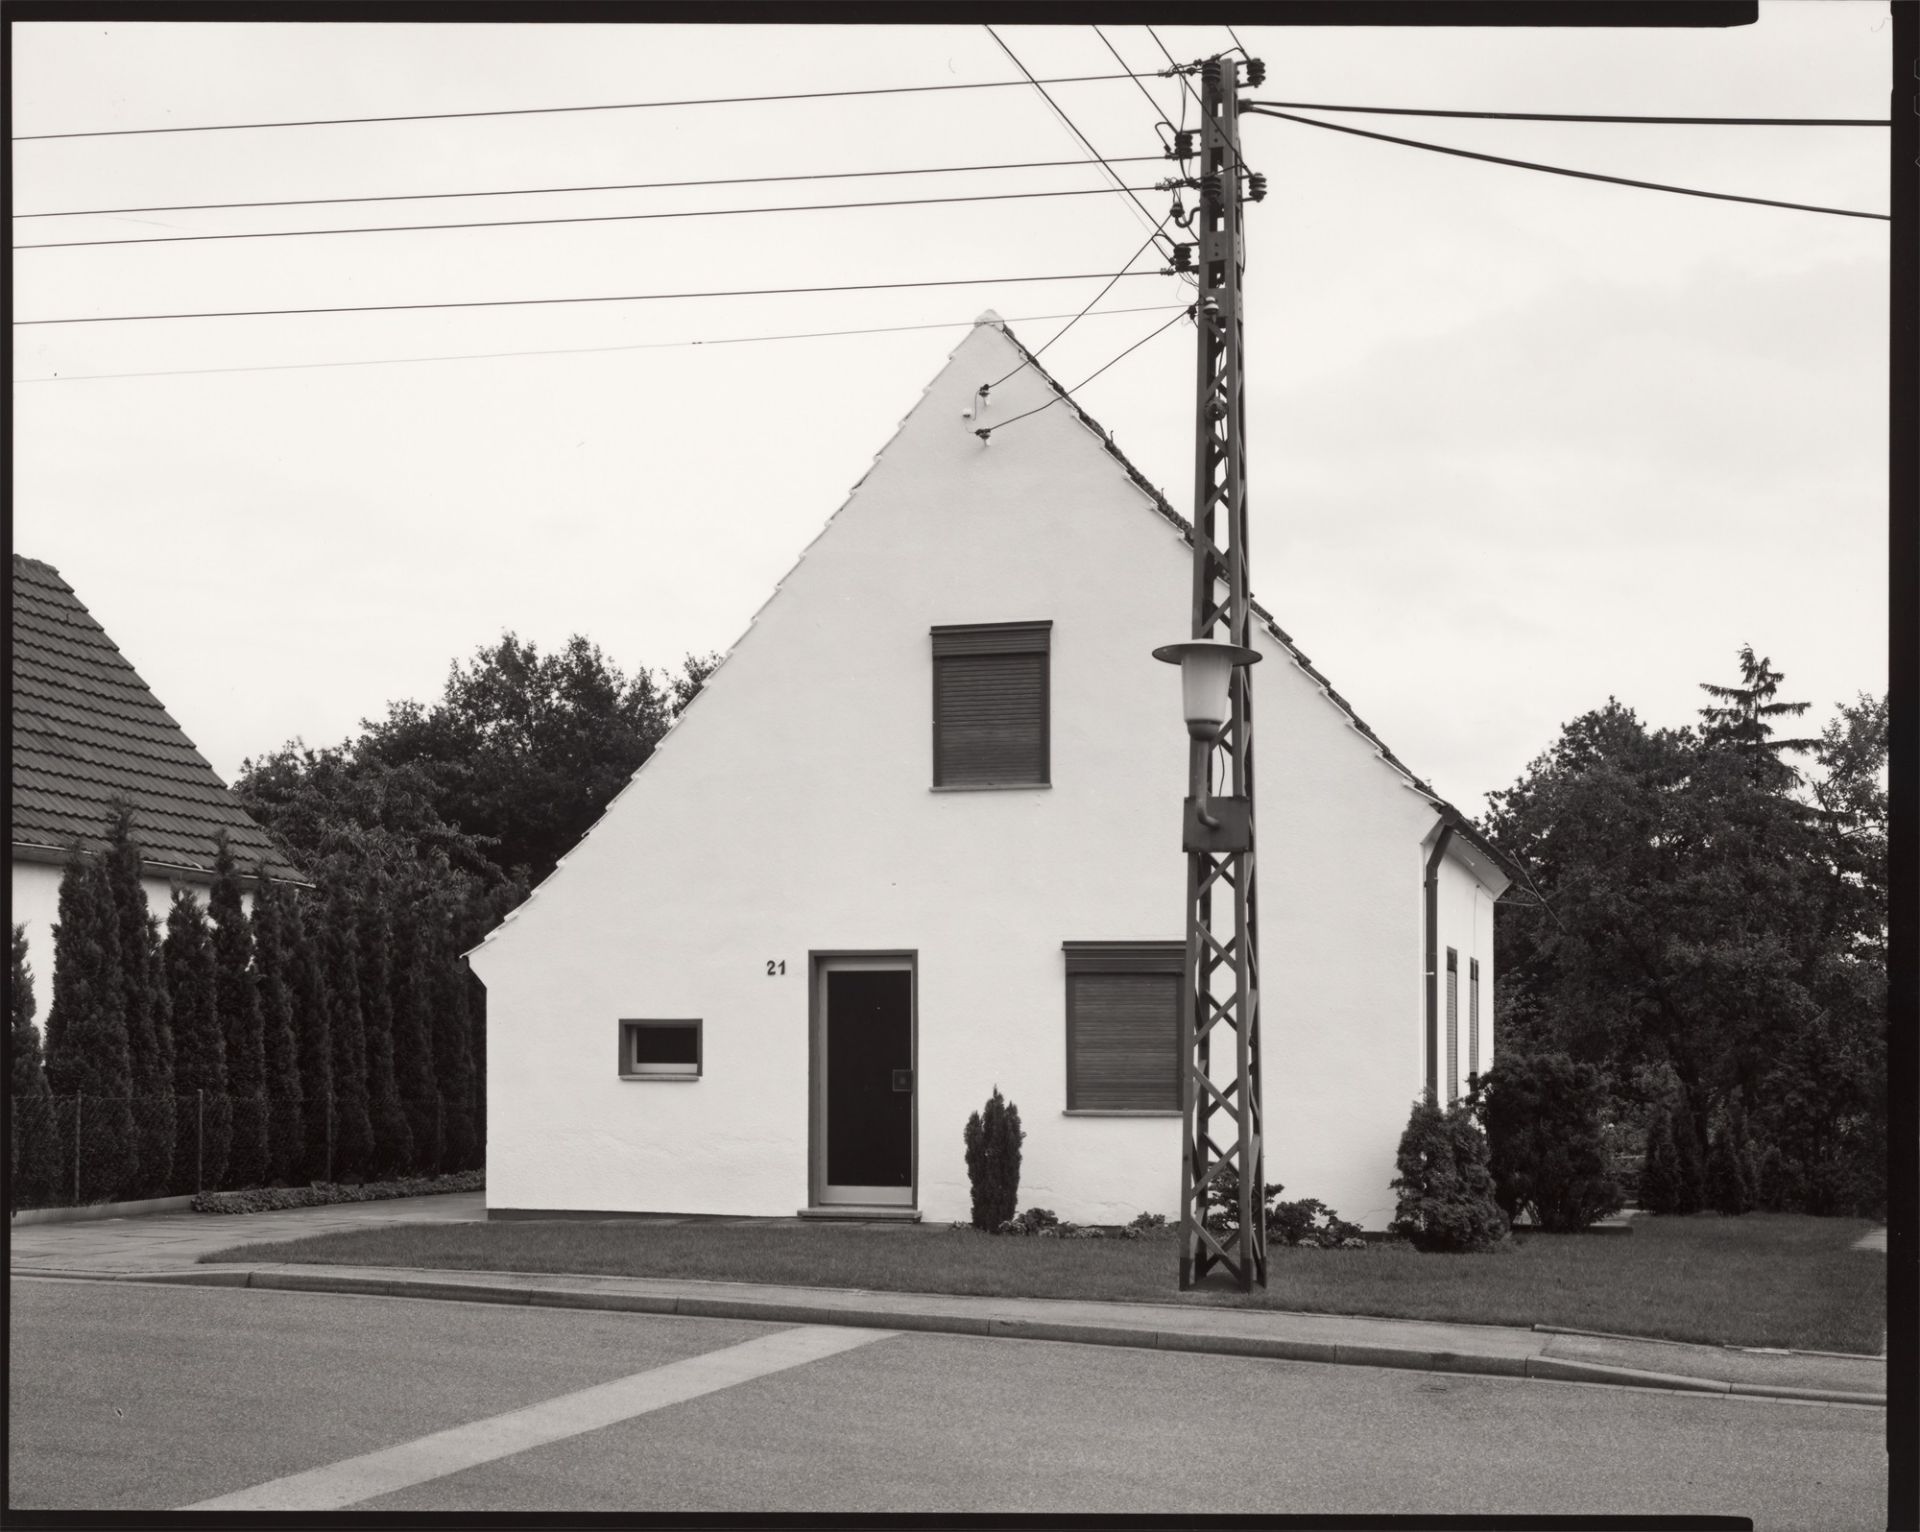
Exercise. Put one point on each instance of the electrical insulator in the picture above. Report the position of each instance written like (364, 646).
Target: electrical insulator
(1256, 73)
(1210, 188)
(1183, 144)
(1183, 257)
(1257, 187)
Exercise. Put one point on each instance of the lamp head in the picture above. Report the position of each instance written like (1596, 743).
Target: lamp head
(1206, 666)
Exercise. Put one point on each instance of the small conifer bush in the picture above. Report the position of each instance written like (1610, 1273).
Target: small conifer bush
(993, 1138)
(1445, 1188)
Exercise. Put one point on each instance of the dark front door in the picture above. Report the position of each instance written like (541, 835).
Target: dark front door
(867, 1083)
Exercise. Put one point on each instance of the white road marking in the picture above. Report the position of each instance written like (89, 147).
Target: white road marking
(447, 1452)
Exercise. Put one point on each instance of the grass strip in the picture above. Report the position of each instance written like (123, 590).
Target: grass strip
(1763, 1280)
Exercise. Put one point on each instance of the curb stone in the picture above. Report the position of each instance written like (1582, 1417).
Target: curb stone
(1272, 1348)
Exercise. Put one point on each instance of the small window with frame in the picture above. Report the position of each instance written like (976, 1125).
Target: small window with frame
(660, 1050)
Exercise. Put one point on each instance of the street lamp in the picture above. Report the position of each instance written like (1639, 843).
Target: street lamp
(1206, 672)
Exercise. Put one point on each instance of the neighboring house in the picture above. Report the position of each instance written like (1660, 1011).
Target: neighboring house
(919, 836)
(86, 731)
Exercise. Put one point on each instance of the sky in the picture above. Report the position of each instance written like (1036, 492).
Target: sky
(1517, 443)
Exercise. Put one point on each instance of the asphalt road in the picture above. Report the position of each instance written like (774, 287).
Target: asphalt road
(144, 1398)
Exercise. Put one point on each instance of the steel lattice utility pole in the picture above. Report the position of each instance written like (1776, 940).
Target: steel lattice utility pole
(1222, 1123)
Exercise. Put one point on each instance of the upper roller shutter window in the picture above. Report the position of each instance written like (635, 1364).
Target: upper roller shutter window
(990, 704)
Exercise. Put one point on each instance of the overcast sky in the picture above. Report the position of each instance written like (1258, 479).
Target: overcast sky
(1517, 442)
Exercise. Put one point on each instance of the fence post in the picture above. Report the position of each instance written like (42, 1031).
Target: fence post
(76, 1148)
(199, 1141)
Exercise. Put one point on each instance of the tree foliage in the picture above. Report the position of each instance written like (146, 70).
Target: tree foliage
(993, 1137)
(238, 1004)
(1713, 910)
(199, 1050)
(273, 971)
(143, 998)
(26, 1065)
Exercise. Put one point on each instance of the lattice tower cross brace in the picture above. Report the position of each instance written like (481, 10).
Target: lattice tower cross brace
(1221, 1118)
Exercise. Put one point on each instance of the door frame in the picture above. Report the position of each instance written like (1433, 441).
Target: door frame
(885, 958)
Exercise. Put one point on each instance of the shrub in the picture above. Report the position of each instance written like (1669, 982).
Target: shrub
(1545, 1146)
(1660, 1175)
(1445, 1189)
(273, 1199)
(1148, 1223)
(1223, 1201)
(1033, 1221)
(993, 1138)
(1729, 1172)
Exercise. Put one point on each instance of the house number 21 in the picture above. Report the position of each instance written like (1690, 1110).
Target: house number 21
(776, 966)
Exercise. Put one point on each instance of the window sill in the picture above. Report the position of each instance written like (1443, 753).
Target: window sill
(660, 1079)
(1088, 1111)
(992, 787)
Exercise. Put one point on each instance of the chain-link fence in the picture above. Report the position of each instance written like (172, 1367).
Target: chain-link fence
(72, 1151)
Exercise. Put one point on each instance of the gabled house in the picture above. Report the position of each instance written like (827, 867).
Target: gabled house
(919, 837)
(86, 730)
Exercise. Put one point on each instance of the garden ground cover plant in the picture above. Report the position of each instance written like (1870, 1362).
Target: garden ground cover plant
(1763, 1280)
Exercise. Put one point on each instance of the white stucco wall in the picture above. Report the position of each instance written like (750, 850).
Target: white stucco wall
(36, 901)
(1465, 907)
(790, 811)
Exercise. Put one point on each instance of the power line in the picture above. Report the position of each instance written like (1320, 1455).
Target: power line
(1041, 86)
(495, 303)
(1159, 112)
(1726, 122)
(518, 223)
(1035, 356)
(1236, 42)
(1561, 170)
(541, 191)
(1172, 64)
(541, 111)
(652, 345)
(985, 433)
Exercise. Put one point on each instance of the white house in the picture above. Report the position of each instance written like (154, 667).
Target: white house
(919, 836)
(87, 730)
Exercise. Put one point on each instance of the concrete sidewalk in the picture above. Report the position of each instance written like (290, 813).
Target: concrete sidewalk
(167, 1248)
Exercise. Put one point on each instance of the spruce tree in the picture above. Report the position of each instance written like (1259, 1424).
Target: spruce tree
(392, 1137)
(148, 1050)
(409, 988)
(203, 1124)
(86, 1053)
(1741, 722)
(1445, 1189)
(272, 961)
(452, 1027)
(1660, 1172)
(353, 1143)
(34, 1145)
(304, 931)
(239, 1009)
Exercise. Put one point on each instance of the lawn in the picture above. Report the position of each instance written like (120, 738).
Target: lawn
(1762, 1280)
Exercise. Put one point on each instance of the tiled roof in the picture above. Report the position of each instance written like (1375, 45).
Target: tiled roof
(1463, 826)
(86, 730)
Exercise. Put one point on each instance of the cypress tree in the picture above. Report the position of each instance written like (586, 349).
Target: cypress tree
(993, 1137)
(203, 1124)
(313, 1034)
(392, 1137)
(87, 1054)
(452, 1057)
(148, 1054)
(160, 1000)
(411, 995)
(239, 1011)
(272, 961)
(353, 1152)
(34, 1146)
(1660, 1173)
(1729, 1167)
(1690, 1190)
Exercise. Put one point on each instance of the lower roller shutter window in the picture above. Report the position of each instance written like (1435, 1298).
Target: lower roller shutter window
(1123, 1027)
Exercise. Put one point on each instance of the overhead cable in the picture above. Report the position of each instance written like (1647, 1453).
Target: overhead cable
(543, 191)
(1083, 312)
(543, 111)
(1041, 86)
(1158, 111)
(1561, 170)
(1178, 73)
(496, 303)
(985, 433)
(650, 345)
(1725, 122)
(521, 223)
